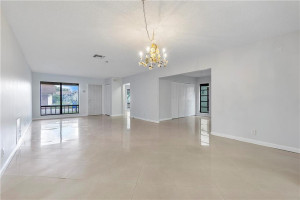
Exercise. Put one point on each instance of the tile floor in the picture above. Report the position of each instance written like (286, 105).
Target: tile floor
(99, 157)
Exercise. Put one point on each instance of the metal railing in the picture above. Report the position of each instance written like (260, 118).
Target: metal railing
(57, 109)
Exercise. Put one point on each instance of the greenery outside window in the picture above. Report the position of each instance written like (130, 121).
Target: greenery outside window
(59, 98)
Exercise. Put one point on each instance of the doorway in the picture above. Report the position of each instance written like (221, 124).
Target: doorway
(107, 99)
(126, 99)
(179, 95)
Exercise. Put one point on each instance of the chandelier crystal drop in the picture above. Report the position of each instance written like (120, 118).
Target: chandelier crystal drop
(152, 56)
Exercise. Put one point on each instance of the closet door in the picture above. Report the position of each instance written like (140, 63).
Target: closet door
(181, 99)
(190, 100)
(108, 99)
(174, 100)
(104, 100)
(91, 96)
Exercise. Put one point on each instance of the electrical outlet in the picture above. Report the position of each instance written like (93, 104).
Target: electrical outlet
(254, 132)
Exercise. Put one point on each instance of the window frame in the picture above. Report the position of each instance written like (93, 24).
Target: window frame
(61, 100)
(204, 84)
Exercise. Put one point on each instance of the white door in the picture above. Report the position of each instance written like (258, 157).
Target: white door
(95, 99)
(174, 100)
(190, 100)
(103, 99)
(107, 100)
(181, 99)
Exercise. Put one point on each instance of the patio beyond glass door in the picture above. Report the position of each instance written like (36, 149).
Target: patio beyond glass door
(204, 98)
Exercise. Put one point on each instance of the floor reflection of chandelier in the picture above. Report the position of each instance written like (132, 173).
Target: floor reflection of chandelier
(152, 56)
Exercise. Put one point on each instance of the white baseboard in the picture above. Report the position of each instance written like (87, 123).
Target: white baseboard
(165, 119)
(203, 115)
(5, 165)
(59, 116)
(149, 120)
(252, 141)
(116, 115)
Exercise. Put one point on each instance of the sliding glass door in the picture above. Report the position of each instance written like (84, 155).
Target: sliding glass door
(70, 98)
(50, 98)
(59, 98)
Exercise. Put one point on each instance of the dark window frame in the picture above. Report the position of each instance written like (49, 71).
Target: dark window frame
(61, 100)
(201, 85)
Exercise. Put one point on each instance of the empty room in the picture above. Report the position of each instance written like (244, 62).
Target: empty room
(150, 100)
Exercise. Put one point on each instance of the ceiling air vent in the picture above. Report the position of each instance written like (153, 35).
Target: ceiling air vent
(101, 57)
(98, 56)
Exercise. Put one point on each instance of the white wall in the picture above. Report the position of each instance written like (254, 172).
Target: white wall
(253, 87)
(181, 79)
(144, 90)
(165, 106)
(83, 93)
(15, 91)
(260, 90)
(201, 80)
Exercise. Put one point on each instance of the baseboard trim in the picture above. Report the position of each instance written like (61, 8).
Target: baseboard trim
(58, 117)
(5, 165)
(261, 143)
(165, 119)
(117, 115)
(148, 120)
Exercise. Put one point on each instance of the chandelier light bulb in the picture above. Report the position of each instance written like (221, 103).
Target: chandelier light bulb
(165, 55)
(164, 50)
(148, 49)
(141, 54)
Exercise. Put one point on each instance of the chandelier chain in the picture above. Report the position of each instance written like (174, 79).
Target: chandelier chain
(152, 57)
(145, 19)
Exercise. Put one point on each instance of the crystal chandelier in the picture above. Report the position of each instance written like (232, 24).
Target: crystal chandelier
(152, 56)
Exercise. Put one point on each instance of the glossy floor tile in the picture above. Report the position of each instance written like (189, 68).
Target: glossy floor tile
(100, 157)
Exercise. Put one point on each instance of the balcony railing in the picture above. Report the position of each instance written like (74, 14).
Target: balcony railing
(57, 109)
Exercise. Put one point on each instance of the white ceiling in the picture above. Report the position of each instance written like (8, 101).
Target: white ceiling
(62, 37)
